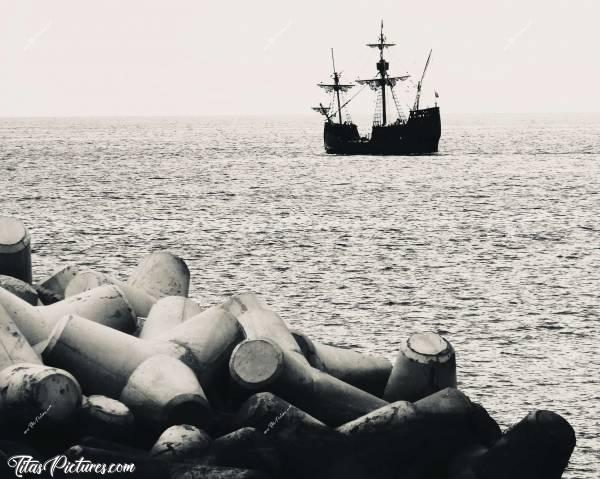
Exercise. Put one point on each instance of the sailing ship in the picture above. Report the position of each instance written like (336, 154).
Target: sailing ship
(417, 132)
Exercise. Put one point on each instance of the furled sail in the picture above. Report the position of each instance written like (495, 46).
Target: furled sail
(321, 109)
(375, 83)
(331, 87)
(381, 44)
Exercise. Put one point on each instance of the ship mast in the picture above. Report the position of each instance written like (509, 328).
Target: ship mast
(420, 84)
(383, 79)
(382, 68)
(335, 87)
(336, 81)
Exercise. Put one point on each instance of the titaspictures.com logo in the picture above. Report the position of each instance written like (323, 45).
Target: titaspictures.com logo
(23, 464)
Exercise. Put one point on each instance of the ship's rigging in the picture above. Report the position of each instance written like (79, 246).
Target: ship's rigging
(338, 89)
(383, 84)
(414, 130)
(384, 80)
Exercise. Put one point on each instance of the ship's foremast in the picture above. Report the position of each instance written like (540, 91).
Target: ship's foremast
(337, 88)
(336, 80)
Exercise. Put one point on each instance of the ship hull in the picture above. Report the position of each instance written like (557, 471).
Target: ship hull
(419, 135)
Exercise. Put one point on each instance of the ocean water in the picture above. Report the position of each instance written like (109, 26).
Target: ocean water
(494, 242)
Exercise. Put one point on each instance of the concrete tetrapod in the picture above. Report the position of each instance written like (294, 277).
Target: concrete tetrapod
(20, 288)
(179, 399)
(161, 274)
(146, 376)
(259, 321)
(106, 305)
(419, 439)
(537, 447)
(364, 371)
(425, 364)
(103, 358)
(304, 445)
(260, 364)
(181, 443)
(32, 391)
(140, 301)
(15, 249)
(210, 336)
(167, 313)
(29, 389)
(52, 288)
(246, 448)
(14, 347)
(106, 418)
(270, 414)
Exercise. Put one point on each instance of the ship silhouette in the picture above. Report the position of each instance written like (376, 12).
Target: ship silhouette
(415, 132)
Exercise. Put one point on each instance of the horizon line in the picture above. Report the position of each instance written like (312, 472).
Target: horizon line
(270, 115)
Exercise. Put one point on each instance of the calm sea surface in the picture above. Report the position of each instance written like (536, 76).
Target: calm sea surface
(494, 242)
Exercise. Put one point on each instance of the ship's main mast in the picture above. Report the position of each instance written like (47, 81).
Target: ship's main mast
(382, 68)
(383, 79)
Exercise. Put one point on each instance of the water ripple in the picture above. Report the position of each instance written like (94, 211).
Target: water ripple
(493, 242)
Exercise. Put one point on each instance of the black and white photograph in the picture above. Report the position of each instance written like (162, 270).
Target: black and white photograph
(300, 240)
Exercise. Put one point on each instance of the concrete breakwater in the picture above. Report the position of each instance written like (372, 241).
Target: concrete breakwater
(231, 391)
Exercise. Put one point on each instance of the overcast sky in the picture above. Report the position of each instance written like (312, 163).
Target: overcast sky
(141, 57)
